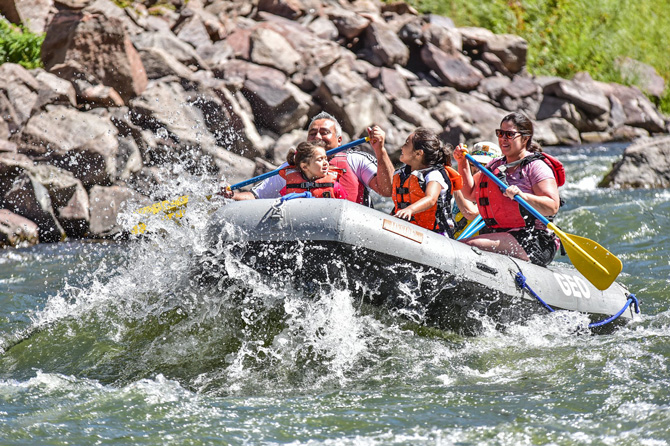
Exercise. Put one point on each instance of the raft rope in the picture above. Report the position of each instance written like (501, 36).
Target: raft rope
(521, 282)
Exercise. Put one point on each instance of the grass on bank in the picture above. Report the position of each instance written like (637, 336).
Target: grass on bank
(19, 45)
(568, 36)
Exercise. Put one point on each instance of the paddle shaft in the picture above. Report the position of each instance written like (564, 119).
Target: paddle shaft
(272, 173)
(472, 227)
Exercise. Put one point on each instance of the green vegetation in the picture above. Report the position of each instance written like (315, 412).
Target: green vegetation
(19, 45)
(568, 36)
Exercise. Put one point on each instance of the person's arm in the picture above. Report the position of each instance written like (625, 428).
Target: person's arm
(467, 207)
(235, 194)
(433, 190)
(383, 181)
(243, 195)
(544, 198)
(464, 170)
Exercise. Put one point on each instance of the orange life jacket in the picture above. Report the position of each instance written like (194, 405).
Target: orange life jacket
(496, 209)
(410, 186)
(319, 188)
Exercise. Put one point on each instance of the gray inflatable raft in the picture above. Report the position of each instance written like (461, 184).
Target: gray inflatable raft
(388, 262)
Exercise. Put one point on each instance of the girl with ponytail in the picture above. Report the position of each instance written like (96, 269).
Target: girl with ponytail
(423, 187)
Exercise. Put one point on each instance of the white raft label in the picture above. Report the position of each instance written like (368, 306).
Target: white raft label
(572, 285)
(403, 230)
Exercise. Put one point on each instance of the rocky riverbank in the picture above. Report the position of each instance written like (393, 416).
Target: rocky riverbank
(224, 88)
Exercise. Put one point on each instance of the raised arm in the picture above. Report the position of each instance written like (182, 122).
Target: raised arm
(383, 181)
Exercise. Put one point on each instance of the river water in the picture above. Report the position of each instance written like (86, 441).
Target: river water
(120, 343)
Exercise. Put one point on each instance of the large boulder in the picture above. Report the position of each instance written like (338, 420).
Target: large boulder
(17, 231)
(383, 47)
(83, 143)
(508, 50)
(172, 115)
(98, 47)
(645, 164)
(69, 199)
(21, 193)
(352, 99)
(33, 14)
(642, 75)
(270, 48)
(453, 69)
(18, 94)
(106, 203)
(278, 104)
(584, 94)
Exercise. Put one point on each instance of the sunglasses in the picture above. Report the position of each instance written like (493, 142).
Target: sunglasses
(509, 134)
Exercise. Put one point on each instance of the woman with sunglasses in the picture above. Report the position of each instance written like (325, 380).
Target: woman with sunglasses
(510, 229)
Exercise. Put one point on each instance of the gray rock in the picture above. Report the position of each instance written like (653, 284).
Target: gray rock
(22, 194)
(352, 100)
(556, 131)
(638, 109)
(106, 203)
(291, 9)
(272, 49)
(349, 24)
(412, 112)
(82, 143)
(383, 47)
(20, 89)
(281, 147)
(33, 14)
(170, 43)
(642, 75)
(510, 49)
(277, 103)
(192, 29)
(114, 62)
(17, 231)
(159, 63)
(54, 90)
(69, 199)
(453, 69)
(645, 164)
(323, 28)
(585, 95)
(393, 84)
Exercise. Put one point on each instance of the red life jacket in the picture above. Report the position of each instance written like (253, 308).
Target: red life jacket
(496, 209)
(356, 190)
(319, 188)
(410, 186)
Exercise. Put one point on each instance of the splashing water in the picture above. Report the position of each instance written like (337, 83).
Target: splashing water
(152, 342)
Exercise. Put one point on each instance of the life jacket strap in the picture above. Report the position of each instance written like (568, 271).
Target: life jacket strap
(309, 185)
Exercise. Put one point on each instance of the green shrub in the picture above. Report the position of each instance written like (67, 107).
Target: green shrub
(19, 45)
(568, 36)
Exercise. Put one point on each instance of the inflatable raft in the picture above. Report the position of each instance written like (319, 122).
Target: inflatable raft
(388, 262)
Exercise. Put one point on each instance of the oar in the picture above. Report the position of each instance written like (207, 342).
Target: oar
(175, 208)
(597, 264)
(472, 227)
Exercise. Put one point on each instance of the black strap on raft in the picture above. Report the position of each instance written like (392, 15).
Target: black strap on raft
(521, 283)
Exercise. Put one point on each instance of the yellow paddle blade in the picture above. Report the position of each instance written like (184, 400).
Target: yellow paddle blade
(172, 209)
(597, 264)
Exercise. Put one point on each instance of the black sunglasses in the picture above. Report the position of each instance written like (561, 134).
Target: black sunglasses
(509, 134)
